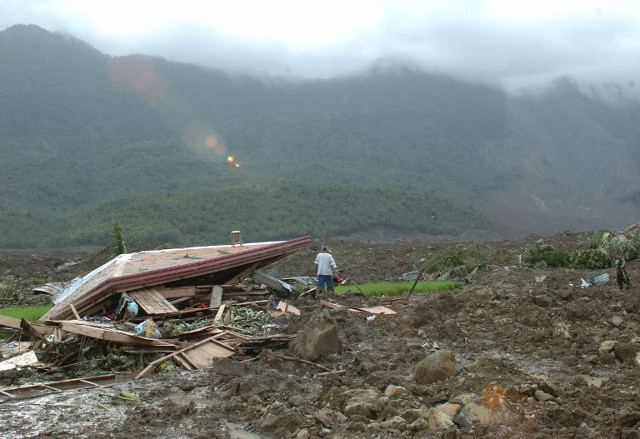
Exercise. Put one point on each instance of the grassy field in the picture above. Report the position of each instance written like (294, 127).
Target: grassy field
(29, 313)
(397, 288)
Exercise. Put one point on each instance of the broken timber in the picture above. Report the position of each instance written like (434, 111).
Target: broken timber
(42, 389)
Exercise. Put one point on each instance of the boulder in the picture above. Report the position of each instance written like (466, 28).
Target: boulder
(607, 346)
(435, 367)
(564, 293)
(395, 391)
(543, 396)
(362, 402)
(491, 408)
(616, 321)
(281, 425)
(626, 351)
(314, 342)
(441, 417)
(542, 300)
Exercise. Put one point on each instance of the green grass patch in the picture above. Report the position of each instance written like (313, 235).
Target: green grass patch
(397, 288)
(29, 313)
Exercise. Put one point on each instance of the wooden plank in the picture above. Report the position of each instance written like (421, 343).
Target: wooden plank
(203, 355)
(286, 308)
(183, 362)
(90, 382)
(7, 394)
(112, 335)
(219, 314)
(152, 302)
(9, 322)
(216, 296)
(376, 310)
(153, 364)
(174, 293)
(75, 312)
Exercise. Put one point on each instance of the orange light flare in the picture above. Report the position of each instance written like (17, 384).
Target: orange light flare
(231, 159)
(237, 165)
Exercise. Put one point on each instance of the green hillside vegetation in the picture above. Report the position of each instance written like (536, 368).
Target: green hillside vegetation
(88, 140)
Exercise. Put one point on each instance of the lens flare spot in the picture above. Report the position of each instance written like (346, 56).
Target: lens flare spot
(237, 165)
(231, 159)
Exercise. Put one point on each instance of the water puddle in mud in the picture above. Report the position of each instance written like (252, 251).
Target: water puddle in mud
(236, 431)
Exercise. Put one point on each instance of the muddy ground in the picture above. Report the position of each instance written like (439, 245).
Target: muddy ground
(527, 360)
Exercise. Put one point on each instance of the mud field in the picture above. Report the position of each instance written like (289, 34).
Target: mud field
(518, 353)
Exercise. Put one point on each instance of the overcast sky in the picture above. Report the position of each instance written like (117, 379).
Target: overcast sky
(509, 42)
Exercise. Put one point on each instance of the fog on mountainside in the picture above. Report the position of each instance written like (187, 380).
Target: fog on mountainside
(88, 140)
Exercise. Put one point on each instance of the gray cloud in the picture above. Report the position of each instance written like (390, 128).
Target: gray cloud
(594, 46)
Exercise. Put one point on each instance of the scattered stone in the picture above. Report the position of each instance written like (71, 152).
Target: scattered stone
(396, 423)
(616, 321)
(607, 346)
(490, 408)
(362, 402)
(413, 414)
(564, 293)
(435, 367)
(561, 330)
(316, 341)
(441, 417)
(303, 434)
(419, 425)
(541, 278)
(593, 381)
(626, 351)
(281, 425)
(543, 396)
(630, 419)
(395, 391)
(542, 300)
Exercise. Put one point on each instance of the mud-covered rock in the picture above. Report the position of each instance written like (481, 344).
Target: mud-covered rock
(435, 367)
(362, 402)
(441, 417)
(316, 341)
(626, 352)
(607, 346)
(542, 300)
(395, 391)
(282, 424)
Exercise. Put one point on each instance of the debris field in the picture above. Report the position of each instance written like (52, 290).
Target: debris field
(516, 352)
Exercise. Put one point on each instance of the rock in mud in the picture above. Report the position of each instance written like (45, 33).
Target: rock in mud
(616, 321)
(607, 346)
(626, 352)
(281, 425)
(395, 391)
(435, 367)
(362, 402)
(316, 341)
(483, 293)
(542, 300)
(228, 367)
(564, 293)
(543, 396)
(491, 408)
(442, 416)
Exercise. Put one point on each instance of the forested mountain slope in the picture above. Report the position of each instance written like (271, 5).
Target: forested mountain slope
(88, 140)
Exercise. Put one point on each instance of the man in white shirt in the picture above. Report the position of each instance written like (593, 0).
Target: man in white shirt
(325, 269)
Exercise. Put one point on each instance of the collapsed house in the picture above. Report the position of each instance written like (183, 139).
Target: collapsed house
(184, 305)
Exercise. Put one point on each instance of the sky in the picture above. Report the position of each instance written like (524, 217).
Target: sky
(512, 43)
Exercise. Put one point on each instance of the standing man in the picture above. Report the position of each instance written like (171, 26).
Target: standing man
(622, 277)
(325, 269)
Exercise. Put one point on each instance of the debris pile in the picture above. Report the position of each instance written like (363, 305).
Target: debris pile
(157, 309)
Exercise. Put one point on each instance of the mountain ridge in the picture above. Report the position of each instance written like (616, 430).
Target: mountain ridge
(81, 130)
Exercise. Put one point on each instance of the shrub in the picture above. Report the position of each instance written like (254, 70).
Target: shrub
(546, 255)
(591, 259)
